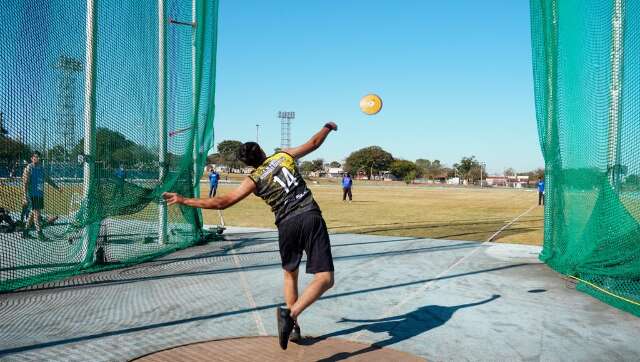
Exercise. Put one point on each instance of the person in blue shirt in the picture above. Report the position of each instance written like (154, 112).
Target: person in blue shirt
(540, 191)
(347, 182)
(121, 175)
(214, 177)
(33, 180)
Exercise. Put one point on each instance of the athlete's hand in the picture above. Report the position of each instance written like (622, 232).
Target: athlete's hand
(332, 126)
(173, 198)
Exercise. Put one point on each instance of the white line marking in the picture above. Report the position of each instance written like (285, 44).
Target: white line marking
(510, 223)
(247, 293)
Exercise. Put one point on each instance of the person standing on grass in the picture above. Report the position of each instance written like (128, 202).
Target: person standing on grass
(301, 228)
(214, 177)
(33, 179)
(540, 191)
(121, 175)
(347, 182)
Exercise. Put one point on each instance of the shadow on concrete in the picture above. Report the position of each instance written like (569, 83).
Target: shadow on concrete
(262, 241)
(399, 327)
(147, 327)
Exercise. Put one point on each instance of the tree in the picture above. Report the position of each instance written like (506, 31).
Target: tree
(510, 172)
(214, 159)
(476, 171)
(335, 164)
(57, 153)
(449, 171)
(538, 173)
(113, 148)
(228, 151)
(12, 150)
(306, 167)
(631, 183)
(435, 169)
(410, 177)
(422, 167)
(369, 159)
(468, 168)
(318, 165)
(402, 168)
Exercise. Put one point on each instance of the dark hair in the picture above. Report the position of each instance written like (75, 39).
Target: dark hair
(251, 154)
(36, 153)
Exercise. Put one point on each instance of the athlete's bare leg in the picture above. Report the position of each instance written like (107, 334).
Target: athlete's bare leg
(321, 282)
(290, 287)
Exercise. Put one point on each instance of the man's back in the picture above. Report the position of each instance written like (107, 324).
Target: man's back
(280, 185)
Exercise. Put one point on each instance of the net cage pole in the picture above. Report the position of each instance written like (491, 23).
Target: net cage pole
(197, 231)
(89, 120)
(196, 126)
(162, 119)
(614, 167)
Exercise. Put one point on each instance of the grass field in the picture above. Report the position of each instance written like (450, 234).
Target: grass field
(390, 209)
(419, 211)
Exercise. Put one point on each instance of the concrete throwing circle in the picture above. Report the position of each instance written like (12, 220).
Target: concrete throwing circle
(267, 349)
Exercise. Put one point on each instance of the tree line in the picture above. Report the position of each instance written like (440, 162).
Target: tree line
(112, 149)
(373, 161)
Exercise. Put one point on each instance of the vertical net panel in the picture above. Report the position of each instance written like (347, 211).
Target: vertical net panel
(586, 76)
(113, 129)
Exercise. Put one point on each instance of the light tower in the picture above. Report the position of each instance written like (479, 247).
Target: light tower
(285, 128)
(69, 67)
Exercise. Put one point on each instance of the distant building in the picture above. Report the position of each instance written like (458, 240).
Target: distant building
(335, 172)
(453, 181)
(496, 181)
(508, 181)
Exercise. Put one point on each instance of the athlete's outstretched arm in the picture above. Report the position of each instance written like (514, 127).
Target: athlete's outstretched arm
(219, 202)
(313, 143)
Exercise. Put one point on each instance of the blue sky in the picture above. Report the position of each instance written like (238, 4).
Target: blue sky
(455, 76)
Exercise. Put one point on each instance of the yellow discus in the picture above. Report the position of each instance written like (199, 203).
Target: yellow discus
(371, 104)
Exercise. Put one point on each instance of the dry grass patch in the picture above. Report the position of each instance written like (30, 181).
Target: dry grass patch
(433, 212)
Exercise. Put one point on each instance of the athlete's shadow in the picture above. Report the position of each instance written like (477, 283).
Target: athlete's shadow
(399, 327)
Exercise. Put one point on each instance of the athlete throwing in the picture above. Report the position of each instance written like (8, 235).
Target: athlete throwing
(278, 182)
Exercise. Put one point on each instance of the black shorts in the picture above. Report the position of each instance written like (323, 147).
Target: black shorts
(305, 232)
(37, 203)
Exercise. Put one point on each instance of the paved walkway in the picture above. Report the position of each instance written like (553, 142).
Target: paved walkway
(436, 299)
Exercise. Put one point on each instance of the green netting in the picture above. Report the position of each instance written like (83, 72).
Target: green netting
(116, 127)
(587, 87)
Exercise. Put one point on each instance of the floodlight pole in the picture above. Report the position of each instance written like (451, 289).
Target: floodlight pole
(89, 126)
(614, 167)
(162, 119)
